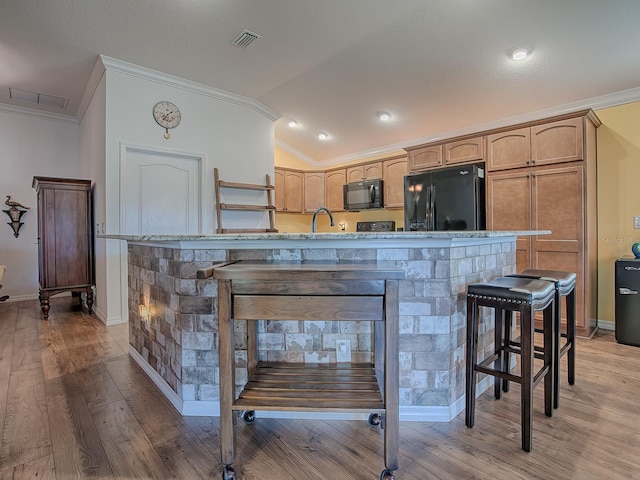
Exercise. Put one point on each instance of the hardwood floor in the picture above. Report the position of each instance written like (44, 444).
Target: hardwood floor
(74, 405)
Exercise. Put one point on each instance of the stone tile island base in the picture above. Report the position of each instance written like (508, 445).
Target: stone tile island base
(177, 342)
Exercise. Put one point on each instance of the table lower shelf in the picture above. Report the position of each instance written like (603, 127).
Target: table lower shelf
(344, 387)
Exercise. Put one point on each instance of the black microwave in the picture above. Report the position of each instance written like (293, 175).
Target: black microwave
(363, 195)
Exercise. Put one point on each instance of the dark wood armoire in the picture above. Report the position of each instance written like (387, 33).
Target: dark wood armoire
(65, 239)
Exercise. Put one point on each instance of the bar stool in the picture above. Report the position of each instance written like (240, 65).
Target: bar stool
(507, 295)
(565, 285)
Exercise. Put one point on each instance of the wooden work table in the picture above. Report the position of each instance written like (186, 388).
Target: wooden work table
(308, 291)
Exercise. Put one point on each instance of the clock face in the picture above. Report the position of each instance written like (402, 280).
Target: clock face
(167, 114)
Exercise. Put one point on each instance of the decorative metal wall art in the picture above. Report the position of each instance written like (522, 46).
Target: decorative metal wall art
(15, 212)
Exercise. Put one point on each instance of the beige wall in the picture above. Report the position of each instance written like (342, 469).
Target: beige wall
(300, 222)
(618, 195)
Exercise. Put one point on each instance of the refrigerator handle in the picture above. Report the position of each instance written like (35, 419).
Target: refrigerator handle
(627, 291)
(433, 207)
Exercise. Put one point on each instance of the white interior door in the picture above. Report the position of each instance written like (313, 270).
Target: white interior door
(161, 192)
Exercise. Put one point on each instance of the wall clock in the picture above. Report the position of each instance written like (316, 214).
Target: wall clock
(167, 115)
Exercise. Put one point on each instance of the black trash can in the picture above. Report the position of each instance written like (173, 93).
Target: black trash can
(627, 299)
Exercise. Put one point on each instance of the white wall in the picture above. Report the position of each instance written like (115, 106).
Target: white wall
(92, 148)
(230, 134)
(30, 145)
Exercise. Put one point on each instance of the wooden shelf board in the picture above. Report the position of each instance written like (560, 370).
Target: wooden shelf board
(245, 186)
(302, 387)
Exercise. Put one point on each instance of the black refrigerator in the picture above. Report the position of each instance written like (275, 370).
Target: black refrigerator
(445, 199)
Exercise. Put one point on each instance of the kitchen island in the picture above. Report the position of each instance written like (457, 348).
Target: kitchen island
(174, 335)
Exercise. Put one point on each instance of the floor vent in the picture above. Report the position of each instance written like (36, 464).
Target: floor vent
(245, 38)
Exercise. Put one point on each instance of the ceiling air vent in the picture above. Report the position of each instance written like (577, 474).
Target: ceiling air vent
(37, 98)
(245, 38)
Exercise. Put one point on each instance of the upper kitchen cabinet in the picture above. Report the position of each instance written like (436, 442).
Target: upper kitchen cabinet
(508, 150)
(367, 171)
(547, 143)
(470, 150)
(424, 158)
(314, 191)
(334, 197)
(557, 142)
(394, 170)
(288, 190)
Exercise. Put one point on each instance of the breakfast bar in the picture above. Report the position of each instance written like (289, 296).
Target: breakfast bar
(173, 315)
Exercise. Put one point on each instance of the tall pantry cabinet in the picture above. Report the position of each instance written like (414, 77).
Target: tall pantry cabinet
(65, 238)
(543, 177)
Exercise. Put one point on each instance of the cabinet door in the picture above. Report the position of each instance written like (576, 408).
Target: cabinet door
(558, 205)
(288, 190)
(508, 150)
(355, 174)
(464, 151)
(278, 183)
(64, 231)
(556, 142)
(509, 208)
(425, 158)
(313, 191)
(334, 182)
(372, 171)
(293, 191)
(394, 172)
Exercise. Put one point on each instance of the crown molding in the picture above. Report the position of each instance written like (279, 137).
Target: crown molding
(188, 85)
(302, 156)
(97, 73)
(37, 113)
(595, 103)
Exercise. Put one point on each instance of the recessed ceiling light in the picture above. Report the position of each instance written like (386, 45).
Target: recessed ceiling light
(323, 136)
(518, 53)
(384, 116)
(293, 123)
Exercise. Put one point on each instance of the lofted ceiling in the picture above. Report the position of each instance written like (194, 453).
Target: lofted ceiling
(437, 66)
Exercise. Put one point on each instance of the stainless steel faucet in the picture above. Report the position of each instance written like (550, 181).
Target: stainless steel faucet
(315, 214)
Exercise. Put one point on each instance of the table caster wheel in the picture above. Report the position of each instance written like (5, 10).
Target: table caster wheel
(248, 416)
(387, 475)
(228, 473)
(374, 420)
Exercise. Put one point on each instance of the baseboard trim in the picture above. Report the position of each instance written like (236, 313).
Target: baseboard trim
(606, 325)
(158, 381)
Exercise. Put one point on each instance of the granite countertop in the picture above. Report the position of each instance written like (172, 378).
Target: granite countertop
(382, 240)
(327, 236)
